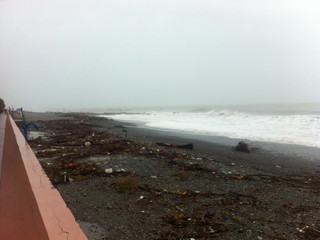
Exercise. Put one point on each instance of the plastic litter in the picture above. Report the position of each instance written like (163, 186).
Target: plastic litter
(108, 170)
(224, 172)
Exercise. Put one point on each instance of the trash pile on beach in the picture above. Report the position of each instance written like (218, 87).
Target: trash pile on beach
(185, 195)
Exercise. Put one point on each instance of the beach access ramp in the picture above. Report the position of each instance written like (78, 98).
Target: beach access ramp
(30, 207)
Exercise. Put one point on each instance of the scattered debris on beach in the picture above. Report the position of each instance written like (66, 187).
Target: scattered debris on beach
(165, 192)
(67, 141)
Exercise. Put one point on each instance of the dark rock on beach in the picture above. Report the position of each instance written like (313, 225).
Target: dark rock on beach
(243, 147)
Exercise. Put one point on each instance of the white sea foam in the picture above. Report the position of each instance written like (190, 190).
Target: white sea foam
(289, 128)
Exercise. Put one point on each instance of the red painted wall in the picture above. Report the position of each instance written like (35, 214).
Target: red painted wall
(30, 208)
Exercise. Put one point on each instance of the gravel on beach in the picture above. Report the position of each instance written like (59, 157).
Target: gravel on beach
(120, 184)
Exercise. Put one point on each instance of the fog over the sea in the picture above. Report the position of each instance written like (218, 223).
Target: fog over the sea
(71, 54)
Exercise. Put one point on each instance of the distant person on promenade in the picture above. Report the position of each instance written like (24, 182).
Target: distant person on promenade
(2, 105)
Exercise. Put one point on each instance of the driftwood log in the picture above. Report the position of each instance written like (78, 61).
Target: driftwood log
(185, 146)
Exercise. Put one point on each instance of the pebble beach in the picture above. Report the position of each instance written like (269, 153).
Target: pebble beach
(120, 184)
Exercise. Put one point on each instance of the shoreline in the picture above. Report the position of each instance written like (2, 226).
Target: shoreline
(211, 192)
(295, 158)
(311, 153)
(306, 152)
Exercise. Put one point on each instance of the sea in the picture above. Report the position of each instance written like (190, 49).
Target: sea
(296, 124)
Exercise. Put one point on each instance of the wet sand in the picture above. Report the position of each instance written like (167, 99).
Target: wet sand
(293, 158)
(211, 192)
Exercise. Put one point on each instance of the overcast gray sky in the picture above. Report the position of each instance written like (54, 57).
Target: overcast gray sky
(124, 53)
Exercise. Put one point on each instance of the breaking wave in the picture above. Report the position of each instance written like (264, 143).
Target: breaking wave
(289, 128)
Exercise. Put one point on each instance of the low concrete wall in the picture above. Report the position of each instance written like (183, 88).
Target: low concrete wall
(30, 208)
